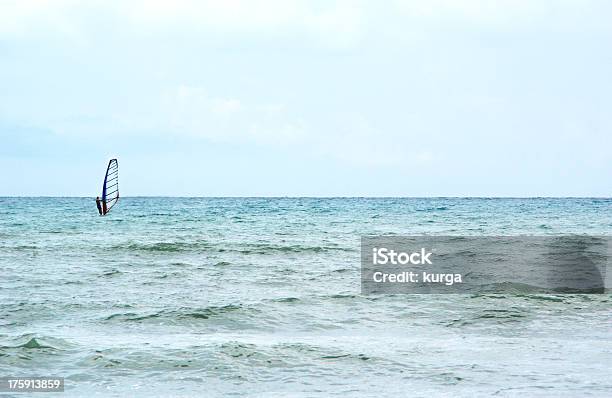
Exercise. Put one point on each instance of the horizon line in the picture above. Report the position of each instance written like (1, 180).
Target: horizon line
(318, 197)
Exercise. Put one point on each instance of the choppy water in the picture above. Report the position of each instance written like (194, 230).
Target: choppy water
(260, 297)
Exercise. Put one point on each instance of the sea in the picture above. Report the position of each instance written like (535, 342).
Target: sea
(261, 297)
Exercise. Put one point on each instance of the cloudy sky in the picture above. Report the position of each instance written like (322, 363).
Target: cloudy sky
(307, 98)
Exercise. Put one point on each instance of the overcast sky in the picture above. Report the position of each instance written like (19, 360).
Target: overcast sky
(317, 98)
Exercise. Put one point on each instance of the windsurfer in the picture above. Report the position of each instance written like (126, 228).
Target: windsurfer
(99, 205)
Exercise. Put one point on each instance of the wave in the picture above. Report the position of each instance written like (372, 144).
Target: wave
(286, 300)
(31, 341)
(287, 353)
(19, 247)
(178, 314)
(488, 316)
(523, 288)
(264, 248)
(112, 272)
(248, 248)
(432, 209)
(171, 247)
(219, 357)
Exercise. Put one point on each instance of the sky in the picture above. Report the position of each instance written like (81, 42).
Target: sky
(307, 98)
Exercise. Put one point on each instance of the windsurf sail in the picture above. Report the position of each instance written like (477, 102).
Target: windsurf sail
(110, 189)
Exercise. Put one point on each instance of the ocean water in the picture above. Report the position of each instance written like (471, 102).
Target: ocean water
(261, 297)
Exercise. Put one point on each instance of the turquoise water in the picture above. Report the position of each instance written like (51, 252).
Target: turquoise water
(261, 297)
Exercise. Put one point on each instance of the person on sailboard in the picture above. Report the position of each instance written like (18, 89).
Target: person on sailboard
(99, 205)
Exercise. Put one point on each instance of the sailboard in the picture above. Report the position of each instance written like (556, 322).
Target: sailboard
(110, 189)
